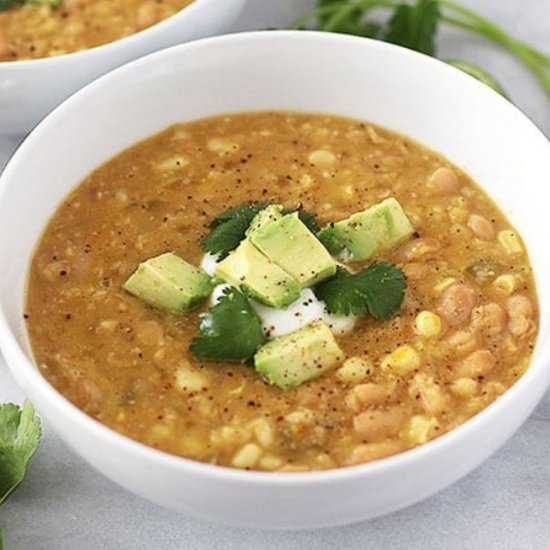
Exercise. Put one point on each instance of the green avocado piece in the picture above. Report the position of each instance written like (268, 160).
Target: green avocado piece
(271, 213)
(169, 283)
(292, 359)
(292, 246)
(368, 233)
(260, 278)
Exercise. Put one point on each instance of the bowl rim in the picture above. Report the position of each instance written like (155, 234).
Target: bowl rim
(530, 381)
(120, 43)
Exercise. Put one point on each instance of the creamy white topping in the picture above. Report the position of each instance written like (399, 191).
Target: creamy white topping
(209, 262)
(306, 309)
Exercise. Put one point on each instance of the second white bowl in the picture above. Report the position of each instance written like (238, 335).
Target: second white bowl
(30, 89)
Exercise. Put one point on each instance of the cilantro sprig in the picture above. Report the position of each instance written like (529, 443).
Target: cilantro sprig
(414, 24)
(20, 433)
(378, 290)
(231, 330)
(228, 229)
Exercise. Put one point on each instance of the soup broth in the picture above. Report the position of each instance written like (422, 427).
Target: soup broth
(464, 335)
(33, 31)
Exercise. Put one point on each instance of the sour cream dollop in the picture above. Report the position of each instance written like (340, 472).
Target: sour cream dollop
(306, 309)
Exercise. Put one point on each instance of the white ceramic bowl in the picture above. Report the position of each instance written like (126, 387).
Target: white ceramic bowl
(423, 98)
(31, 89)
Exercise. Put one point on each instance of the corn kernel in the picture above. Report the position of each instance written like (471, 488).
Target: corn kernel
(419, 429)
(427, 324)
(306, 181)
(509, 240)
(464, 387)
(270, 462)
(180, 133)
(348, 190)
(262, 431)
(324, 461)
(401, 361)
(354, 369)
(506, 283)
(495, 388)
(222, 146)
(458, 215)
(238, 389)
(475, 405)
(247, 456)
(230, 435)
(190, 380)
(173, 163)
(321, 158)
(160, 431)
(122, 197)
(301, 416)
(108, 325)
(459, 201)
(192, 446)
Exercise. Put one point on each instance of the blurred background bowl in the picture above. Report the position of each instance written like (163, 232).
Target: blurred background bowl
(30, 89)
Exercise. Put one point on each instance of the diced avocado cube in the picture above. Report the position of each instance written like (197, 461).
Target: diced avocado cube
(291, 245)
(169, 283)
(260, 278)
(368, 233)
(271, 213)
(292, 359)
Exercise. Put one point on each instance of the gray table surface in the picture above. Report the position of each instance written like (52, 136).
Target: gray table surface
(503, 505)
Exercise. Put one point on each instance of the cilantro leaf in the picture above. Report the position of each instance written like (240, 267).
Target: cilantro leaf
(415, 26)
(378, 290)
(231, 330)
(20, 433)
(340, 294)
(229, 229)
(53, 3)
(248, 209)
(7, 4)
(346, 18)
(309, 219)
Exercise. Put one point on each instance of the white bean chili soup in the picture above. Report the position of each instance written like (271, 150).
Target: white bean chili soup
(282, 292)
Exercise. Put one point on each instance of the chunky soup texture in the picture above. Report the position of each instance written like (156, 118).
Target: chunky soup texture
(33, 31)
(464, 335)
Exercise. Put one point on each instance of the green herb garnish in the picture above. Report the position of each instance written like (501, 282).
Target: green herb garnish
(20, 433)
(228, 229)
(414, 24)
(7, 4)
(231, 330)
(309, 219)
(378, 290)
